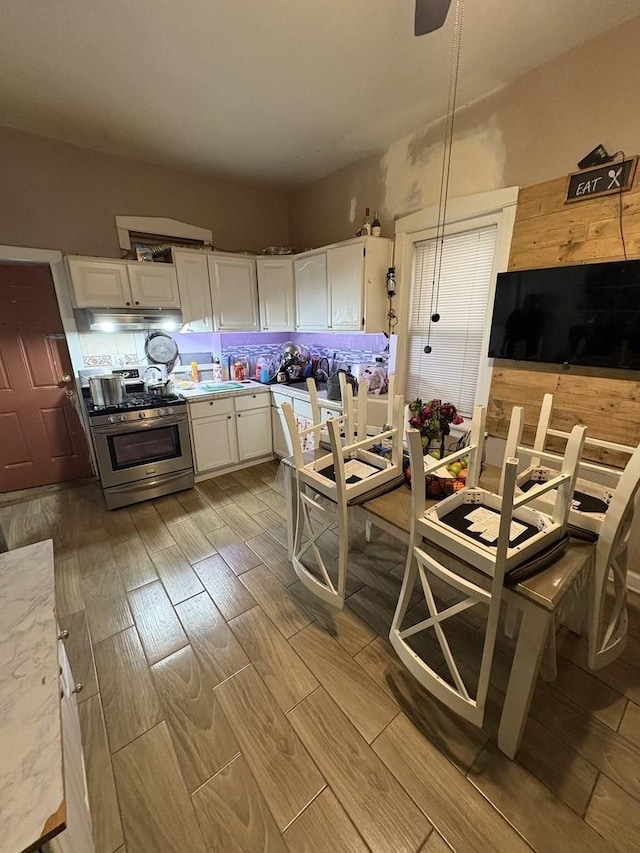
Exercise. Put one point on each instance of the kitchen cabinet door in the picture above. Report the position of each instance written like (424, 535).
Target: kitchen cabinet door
(276, 294)
(345, 278)
(192, 272)
(153, 285)
(254, 433)
(77, 837)
(99, 283)
(215, 443)
(234, 293)
(312, 301)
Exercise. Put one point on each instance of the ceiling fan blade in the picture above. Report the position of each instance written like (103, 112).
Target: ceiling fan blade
(430, 15)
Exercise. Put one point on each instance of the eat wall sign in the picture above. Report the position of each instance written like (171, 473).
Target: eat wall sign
(603, 180)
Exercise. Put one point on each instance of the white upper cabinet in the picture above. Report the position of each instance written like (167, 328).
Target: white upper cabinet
(99, 283)
(344, 277)
(234, 293)
(105, 283)
(356, 276)
(153, 285)
(276, 293)
(312, 301)
(192, 271)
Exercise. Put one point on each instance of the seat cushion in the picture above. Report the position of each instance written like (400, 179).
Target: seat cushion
(539, 562)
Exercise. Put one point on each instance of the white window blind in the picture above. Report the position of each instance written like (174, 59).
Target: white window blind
(450, 371)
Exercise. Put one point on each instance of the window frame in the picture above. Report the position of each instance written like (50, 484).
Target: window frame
(496, 207)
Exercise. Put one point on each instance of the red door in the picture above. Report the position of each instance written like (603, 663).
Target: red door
(41, 439)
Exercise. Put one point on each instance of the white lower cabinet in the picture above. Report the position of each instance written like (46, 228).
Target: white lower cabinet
(215, 442)
(230, 431)
(77, 837)
(253, 423)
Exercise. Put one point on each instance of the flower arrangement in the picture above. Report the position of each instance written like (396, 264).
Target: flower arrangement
(433, 419)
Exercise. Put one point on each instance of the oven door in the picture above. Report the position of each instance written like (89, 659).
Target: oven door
(150, 448)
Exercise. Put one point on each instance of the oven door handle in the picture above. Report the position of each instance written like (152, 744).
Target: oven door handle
(114, 429)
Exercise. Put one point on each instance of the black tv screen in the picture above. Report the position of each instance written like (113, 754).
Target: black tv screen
(585, 315)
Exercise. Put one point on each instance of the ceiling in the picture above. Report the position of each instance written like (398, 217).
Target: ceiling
(281, 92)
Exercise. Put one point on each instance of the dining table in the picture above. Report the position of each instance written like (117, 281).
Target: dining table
(551, 597)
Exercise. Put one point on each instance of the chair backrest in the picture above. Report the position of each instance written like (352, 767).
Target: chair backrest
(596, 482)
(456, 563)
(445, 566)
(608, 625)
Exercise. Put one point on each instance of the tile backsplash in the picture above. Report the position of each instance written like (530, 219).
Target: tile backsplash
(100, 349)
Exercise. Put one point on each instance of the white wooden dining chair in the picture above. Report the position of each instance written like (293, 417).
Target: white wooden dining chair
(596, 482)
(327, 486)
(603, 505)
(482, 541)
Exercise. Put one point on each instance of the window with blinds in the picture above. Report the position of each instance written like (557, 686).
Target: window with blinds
(450, 371)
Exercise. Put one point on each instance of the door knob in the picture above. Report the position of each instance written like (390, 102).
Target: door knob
(66, 379)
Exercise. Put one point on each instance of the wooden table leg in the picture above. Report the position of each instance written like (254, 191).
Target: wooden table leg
(534, 628)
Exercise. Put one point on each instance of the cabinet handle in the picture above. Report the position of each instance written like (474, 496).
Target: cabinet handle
(63, 635)
(78, 688)
(228, 417)
(127, 303)
(137, 303)
(211, 402)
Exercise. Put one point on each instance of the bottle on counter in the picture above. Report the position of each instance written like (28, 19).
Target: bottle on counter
(195, 377)
(376, 228)
(217, 370)
(366, 224)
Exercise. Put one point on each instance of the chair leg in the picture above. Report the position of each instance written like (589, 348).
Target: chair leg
(367, 531)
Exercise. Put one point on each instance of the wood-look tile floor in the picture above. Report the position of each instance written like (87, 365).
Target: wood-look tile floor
(226, 709)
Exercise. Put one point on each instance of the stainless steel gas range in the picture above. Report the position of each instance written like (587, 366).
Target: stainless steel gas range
(142, 446)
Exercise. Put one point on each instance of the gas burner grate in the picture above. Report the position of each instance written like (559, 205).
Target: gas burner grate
(133, 402)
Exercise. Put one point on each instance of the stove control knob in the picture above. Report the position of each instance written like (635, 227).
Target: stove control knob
(169, 411)
(122, 418)
(112, 419)
(142, 414)
(161, 412)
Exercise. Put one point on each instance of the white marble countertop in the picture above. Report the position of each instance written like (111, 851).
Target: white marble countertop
(31, 782)
(202, 390)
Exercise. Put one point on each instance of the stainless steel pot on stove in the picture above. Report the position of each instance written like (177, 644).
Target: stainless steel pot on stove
(160, 388)
(106, 390)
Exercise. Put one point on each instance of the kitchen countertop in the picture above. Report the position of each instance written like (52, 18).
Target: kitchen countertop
(297, 391)
(202, 390)
(31, 781)
(300, 392)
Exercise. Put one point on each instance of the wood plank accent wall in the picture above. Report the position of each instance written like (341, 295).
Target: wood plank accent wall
(548, 233)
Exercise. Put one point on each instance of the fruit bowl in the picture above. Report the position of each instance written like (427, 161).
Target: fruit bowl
(442, 487)
(445, 483)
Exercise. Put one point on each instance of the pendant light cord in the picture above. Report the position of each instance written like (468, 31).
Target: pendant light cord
(446, 163)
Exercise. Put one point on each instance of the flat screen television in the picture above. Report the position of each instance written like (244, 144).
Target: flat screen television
(583, 315)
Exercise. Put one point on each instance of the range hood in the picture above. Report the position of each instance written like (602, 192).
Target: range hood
(131, 320)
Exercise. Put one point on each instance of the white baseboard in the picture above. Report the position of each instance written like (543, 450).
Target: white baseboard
(633, 581)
